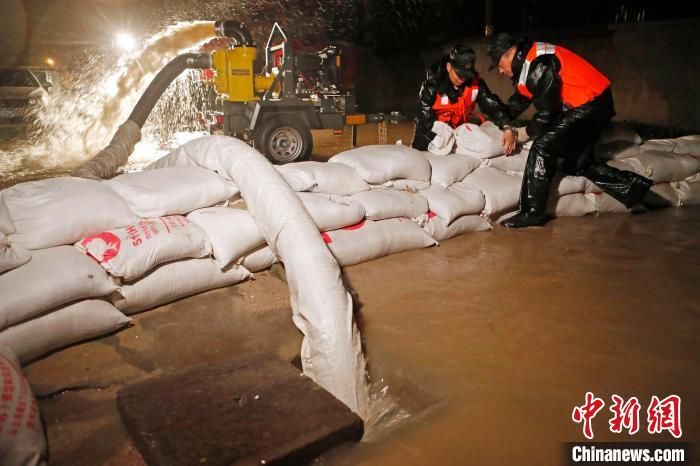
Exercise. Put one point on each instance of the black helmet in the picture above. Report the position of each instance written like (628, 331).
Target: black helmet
(462, 60)
(498, 46)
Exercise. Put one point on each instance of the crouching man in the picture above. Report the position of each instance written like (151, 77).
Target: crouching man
(449, 93)
(573, 105)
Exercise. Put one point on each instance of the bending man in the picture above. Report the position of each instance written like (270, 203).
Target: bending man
(449, 93)
(573, 105)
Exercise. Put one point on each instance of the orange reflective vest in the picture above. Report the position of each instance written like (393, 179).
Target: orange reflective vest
(454, 114)
(580, 81)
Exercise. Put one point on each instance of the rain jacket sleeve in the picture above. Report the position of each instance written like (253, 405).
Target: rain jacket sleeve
(425, 116)
(544, 83)
(492, 106)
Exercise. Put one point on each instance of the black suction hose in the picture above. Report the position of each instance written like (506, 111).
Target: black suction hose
(163, 79)
(116, 154)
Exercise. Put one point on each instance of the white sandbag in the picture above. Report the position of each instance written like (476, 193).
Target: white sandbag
(617, 150)
(501, 190)
(689, 193)
(58, 211)
(231, 232)
(325, 178)
(456, 201)
(693, 178)
(449, 169)
(53, 277)
(606, 204)
(6, 225)
(378, 164)
(444, 139)
(170, 191)
(564, 185)
(682, 145)
(485, 141)
(662, 167)
(571, 205)
(663, 195)
(514, 163)
(175, 280)
(615, 132)
(441, 230)
(130, 252)
(370, 240)
(411, 186)
(12, 255)
(22, 441)
(331, 212)
(61, 327)
(380, 204)
(258, 260)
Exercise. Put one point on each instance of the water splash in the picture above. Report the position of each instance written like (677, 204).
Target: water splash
(80, 121)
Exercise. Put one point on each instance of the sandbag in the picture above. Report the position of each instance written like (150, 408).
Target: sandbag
(411, 186)
(663, 195)
(501, 190)
(571, 205)
(442, 230)
(617, 132)
(456, 201)
(378, 164)
(6, 225)
(53, 277)
(12, 255)
(331, 212)
(258, 260)
(484, 141)
(380, 204)
(171, 191)
(682, 145)
(449, 169)
(22, 441)
(58, 211)
(689, 193)
(371, 240)
(231, 232)
(61, 327)
(514, 163)
(564, 185)
(606, 204)
(175, 280)
(662, 167)
(130, 252)
(444, 138)
(617, 150)
(323, 178)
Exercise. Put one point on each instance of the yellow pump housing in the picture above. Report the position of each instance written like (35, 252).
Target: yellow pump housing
(234, 73)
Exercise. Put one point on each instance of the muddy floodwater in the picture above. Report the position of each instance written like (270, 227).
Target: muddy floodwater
(481, 346)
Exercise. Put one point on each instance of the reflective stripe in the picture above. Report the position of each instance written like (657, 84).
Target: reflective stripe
(543, 48)
(475, 93)
(523, 73)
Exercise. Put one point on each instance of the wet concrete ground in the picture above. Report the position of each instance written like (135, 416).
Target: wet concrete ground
(487, 342)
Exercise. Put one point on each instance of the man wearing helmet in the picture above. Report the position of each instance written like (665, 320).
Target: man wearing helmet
(573, 104)
(449, 93)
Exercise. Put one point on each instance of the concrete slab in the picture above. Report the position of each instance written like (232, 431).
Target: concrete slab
(249, 411)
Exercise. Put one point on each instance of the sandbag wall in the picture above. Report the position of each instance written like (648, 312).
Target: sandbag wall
(78, 256)
(75, 252)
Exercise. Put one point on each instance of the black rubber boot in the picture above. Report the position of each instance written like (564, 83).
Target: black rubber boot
(534, 193)
(639, 187)
(524, 220)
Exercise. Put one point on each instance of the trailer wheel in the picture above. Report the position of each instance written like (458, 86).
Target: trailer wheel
(283, 140)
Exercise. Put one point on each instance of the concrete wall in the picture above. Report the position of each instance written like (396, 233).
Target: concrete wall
(654, 68)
